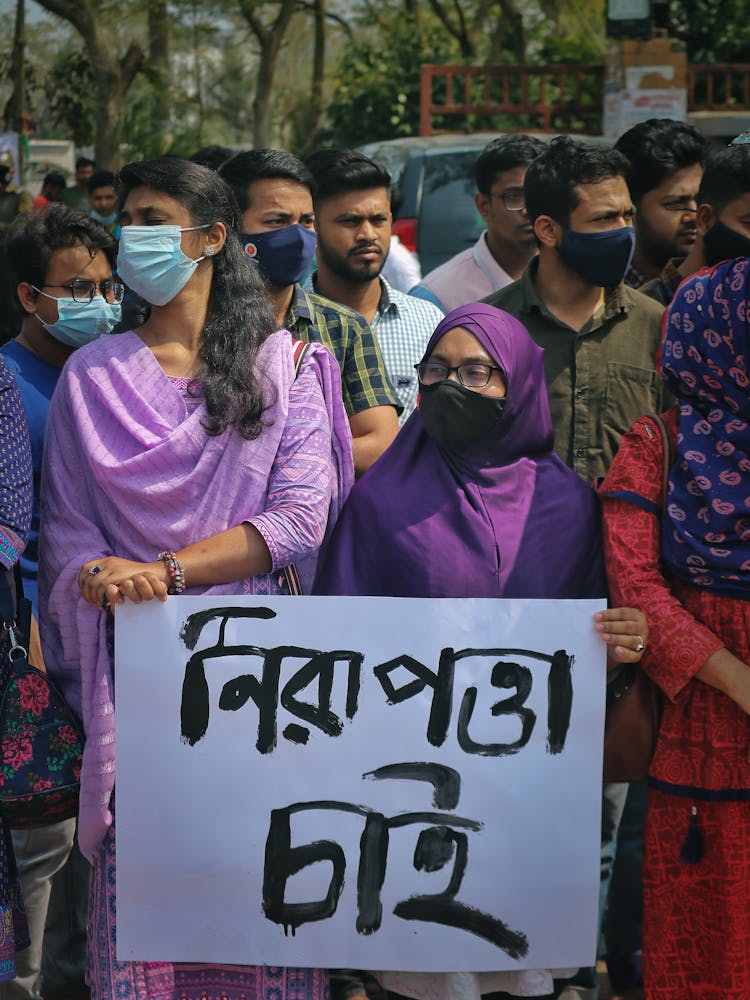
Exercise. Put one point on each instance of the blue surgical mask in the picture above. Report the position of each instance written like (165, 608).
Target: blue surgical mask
(150, 261)
(601, 259)
(79, 323)
(284, 255)
(104, 220)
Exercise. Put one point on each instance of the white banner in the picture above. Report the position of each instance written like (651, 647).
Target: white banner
(365, 782)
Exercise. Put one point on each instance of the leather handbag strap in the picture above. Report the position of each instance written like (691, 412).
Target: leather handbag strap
(669, 455)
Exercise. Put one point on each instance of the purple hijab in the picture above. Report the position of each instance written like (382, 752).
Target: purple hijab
(503, 517)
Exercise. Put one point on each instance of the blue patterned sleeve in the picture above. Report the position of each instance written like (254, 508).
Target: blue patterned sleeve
(15, 470)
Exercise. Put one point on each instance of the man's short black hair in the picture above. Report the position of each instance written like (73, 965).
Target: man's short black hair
(33, 238)
(505, 153)
(211, 156)
(553, 176)
(658, 148)
(100, 179)
(339, 170)
(263, 164)
(726, 177)
(84, 161)
(55, 178)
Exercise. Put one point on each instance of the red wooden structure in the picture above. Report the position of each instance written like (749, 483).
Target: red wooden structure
(560, 97)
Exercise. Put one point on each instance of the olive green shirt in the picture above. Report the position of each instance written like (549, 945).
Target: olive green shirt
(601, 378)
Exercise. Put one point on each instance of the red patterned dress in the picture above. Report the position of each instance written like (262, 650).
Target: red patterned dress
(696, 927)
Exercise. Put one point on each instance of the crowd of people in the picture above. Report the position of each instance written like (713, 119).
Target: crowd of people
(212, 380)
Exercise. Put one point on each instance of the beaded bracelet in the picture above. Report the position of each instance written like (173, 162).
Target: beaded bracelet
(176, 572)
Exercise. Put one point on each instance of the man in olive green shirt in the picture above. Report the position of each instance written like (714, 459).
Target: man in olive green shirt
(77, 196)
(600, 338)
(600, 341)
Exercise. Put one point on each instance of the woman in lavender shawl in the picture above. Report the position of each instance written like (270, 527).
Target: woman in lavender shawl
(183, 456)
(471, 501)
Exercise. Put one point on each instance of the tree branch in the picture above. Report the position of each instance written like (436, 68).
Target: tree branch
(375, 15)
(75, 13)
(442, 15)
(257, 28)
(309, 8)
(284, 17)
(130, 64)
(459, 33)
(461, 18)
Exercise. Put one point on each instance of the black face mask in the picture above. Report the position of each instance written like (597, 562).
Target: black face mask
(455, 416)
(723, 243)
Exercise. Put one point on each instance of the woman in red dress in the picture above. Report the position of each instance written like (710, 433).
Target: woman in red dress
(689, 570)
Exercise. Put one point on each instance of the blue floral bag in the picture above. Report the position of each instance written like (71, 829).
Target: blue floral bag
(41, 742)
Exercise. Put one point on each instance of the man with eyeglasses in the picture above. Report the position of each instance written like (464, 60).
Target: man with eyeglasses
(502, 252)
(62, 264)
(666, 165)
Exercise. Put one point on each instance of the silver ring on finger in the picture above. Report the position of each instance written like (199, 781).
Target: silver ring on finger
(641, 645)
(94, 570)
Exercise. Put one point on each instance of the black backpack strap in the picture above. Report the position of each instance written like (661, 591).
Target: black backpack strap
(7, 598)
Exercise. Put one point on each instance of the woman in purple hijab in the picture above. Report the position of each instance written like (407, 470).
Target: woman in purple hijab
(471, 501)
(192, 455)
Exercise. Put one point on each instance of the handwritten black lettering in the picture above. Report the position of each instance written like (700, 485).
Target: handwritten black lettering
(321, 668)
(444, 841)
(559, 701)
(264, 691)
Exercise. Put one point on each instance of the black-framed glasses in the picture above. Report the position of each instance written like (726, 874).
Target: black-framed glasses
(513, 199)
(84, 289)
(471, 376)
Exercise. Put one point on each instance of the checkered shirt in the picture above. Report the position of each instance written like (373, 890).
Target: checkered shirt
(403, 325)
(364, 375)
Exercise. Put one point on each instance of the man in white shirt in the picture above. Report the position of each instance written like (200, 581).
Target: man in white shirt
(502, 252)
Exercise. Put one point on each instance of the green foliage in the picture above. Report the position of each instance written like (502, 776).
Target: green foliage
(376, 91)
(69, 90)
(715, 31)
(142, 140)
(571, 48)
(374, 52)
(376, 84)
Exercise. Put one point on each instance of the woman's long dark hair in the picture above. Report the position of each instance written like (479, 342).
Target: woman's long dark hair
(240, 316)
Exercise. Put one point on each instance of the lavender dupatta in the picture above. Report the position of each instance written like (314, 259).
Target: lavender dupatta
(128, 471)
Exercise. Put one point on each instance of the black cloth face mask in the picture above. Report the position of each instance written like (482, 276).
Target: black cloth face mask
(723, 243)
(455, 416)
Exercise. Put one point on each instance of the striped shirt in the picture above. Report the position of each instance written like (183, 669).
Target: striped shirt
(364, 376)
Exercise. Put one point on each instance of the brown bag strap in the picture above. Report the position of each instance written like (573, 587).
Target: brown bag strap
(669, 455)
